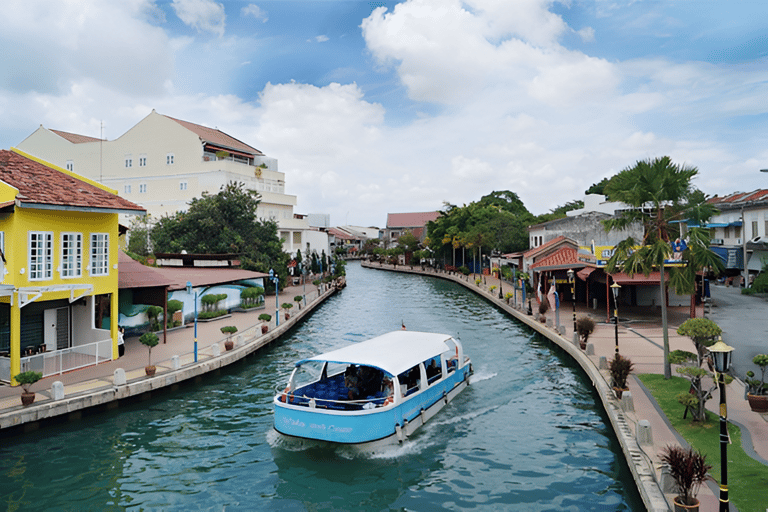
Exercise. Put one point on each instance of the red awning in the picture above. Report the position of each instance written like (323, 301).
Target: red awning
(583, 274)
(638, 279)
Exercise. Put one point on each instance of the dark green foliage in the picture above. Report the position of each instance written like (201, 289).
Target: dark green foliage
(153, 314)
(599, 188)
(250, 297)
(174, 306)
(224, 223)
(704, 333)
(211, 301)
(26, 379)
(757, 387)
(264, 317)
(688, 468)
(149, 339)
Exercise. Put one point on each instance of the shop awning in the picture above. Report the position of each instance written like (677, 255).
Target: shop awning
(638, 279)
(584, 273)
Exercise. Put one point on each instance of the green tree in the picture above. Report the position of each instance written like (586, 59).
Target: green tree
(138, 236)
(660, 193)
(224, 223)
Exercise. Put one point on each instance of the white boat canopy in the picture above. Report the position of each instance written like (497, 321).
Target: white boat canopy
(394, 352)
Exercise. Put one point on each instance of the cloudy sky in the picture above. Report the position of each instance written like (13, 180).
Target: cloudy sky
(378, 106)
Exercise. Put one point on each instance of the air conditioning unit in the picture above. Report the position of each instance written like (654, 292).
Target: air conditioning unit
(756, 240)
(717, 241)
(738, 241)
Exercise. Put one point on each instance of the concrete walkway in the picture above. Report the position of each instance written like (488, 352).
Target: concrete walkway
(640, 337)
(95, 385)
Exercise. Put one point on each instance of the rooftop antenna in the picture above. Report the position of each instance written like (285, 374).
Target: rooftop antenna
(101, 143)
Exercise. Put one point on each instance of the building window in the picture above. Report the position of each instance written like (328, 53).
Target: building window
(169, 159)
(737, 233)
(142, 188)
(40, 255)
(297, 238)
(71, 254)
(754, 228)
(127, 189)
(70, 165)
(99, 254)
(142, 161)
(183, 185)
(129, 161)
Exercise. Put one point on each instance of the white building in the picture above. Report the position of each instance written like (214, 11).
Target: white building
(163, 163)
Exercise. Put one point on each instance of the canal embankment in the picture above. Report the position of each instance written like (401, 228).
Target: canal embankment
(621, 414)
(105, 386)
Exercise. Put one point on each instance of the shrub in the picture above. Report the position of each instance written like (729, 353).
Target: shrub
(149, 339)
(464, 270)
(620, 368)
(688, 468)
(26, 379)
(264, 317)
(543, 307)
(585, 326)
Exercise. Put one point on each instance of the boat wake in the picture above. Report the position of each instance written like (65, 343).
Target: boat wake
(480, 376)
(464, 418)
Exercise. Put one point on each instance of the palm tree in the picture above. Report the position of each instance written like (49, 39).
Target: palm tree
(660, 193)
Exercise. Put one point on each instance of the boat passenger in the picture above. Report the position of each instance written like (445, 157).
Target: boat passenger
(352, 382)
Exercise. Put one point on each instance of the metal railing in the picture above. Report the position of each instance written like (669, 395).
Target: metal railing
(60, 361)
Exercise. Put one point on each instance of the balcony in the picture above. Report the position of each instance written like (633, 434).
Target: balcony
(59, 361)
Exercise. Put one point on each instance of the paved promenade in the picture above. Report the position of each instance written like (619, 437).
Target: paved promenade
(641, 340)
(95, 385)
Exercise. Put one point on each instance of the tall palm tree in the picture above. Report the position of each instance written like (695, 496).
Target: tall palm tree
(660, 193)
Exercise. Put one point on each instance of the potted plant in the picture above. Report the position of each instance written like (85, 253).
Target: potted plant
(149, 339)
(585, 326)
(286, 306)
(543, 308)
(688, 468)
(26, 379)
(620, 368)
(229, 330)
(492, 288)
(297, 299)
(757, 391)
(265, 317)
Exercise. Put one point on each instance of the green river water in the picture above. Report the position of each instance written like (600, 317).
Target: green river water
(526, 435)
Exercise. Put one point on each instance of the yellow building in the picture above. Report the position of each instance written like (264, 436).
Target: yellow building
(58, 242)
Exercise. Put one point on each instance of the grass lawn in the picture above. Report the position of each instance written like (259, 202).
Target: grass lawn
(747, 478)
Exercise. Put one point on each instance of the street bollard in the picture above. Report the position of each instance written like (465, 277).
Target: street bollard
(644, 433)
(57, 390)
(176, 362)
(590, 349)
(119, 377)
(627, 404)
(603, 365)
(216, 349)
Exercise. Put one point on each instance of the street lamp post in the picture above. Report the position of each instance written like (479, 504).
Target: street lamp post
(189, 291)
(275, 279)
(722, 355)
(615, 289)
(572, 280)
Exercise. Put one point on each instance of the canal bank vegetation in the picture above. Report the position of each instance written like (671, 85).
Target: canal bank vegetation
(746, 476)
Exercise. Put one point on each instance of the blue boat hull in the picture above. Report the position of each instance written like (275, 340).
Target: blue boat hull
(394, 422)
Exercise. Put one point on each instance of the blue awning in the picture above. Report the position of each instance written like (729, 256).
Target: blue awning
(733, 257)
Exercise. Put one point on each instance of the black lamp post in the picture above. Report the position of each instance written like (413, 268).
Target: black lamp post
(615, 289)
(572, 280)
(722, 355)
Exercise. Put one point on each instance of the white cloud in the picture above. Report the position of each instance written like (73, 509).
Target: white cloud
(321, 39)
(254, 11)
(203, 15)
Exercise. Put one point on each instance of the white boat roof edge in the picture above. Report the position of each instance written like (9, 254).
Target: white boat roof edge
(394, 352)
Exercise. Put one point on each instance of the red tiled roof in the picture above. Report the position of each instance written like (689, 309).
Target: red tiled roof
(543, 247)
(132, 274)
(565, 257)
(756, 195)
(205, 276)
(75, 138)
(342, 235)
(410, 220)
(40, 184)
(217, 137)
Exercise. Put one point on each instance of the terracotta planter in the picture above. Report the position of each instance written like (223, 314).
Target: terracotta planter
(287, 316)
(229, 345)
(150, 370)
(27, 398)
(758, 403)
(583, 345)
(679, 507)
(264, 329)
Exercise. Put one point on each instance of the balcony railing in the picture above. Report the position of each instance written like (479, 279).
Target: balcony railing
(60, 361)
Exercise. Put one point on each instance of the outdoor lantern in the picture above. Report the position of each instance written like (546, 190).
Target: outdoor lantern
(570, 274)
(722, 355)
(615, 289)
(189, 287)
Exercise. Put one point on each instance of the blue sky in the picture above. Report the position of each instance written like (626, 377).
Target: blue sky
(377, 106)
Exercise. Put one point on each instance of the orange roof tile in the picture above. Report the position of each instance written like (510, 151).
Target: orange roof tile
(75, 138)
(565, 257)
(543, 247)
(40, 184)
(410, 220)
(217, 137)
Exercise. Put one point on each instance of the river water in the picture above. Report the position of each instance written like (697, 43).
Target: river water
(526, 435)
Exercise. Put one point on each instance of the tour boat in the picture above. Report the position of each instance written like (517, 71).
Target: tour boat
(376, 391)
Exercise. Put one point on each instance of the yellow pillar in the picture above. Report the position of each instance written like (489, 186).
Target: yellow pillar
(113, 323)
(15, 329)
